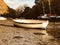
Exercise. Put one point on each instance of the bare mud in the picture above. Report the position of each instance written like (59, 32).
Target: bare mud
(10, 35)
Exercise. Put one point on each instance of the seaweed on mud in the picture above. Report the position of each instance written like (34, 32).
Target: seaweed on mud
(17, 37)
(39, 33)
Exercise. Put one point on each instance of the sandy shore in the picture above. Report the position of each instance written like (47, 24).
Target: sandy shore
(10, 35)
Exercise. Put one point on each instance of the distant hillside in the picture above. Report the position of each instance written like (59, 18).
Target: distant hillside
(5, 10)
(3, 7)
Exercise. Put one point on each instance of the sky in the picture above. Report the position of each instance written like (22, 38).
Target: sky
(16, 3)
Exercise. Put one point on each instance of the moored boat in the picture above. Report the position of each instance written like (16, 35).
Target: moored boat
(29, 23)
(3, 18)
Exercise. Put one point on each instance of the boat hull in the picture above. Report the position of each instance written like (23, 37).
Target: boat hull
(3, 18)
(31, 24)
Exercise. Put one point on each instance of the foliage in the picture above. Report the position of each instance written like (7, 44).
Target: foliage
(10, 14)
(26, 13)
(54, 4)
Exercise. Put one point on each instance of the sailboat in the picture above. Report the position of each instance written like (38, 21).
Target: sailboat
(50, 14)
(44, 14)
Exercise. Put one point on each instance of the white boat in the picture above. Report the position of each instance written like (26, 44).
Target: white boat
(58, 17)
(3, 18)
(28, 23)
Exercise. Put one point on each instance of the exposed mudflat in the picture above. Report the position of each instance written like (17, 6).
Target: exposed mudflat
(10, 35)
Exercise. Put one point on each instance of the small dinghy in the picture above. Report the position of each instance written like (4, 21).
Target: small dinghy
(29, 23)
(3, 18)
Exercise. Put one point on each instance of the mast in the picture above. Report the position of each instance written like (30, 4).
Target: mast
(49, 2)
(43, 7)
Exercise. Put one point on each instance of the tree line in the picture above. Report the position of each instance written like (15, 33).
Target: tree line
(41, 7)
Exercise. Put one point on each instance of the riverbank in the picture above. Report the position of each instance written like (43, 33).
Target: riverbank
(10, 35)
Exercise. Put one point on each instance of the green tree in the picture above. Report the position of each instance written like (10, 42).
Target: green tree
(54, 5)
(26, 13)
(11, 13)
